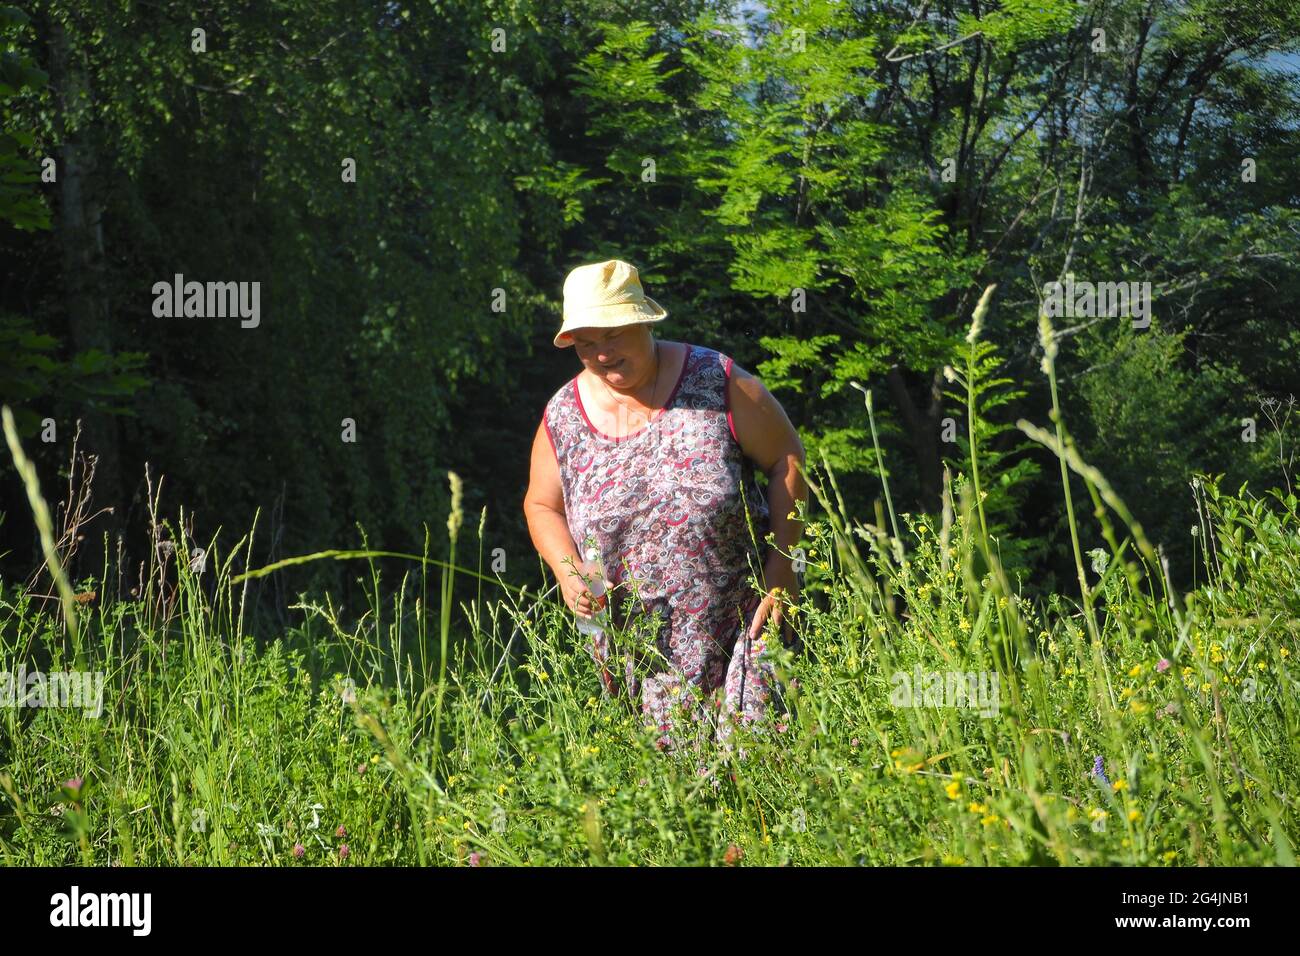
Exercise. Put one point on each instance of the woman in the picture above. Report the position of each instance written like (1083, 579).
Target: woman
(651, 451)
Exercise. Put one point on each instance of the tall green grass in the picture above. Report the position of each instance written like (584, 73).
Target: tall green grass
(496, 746)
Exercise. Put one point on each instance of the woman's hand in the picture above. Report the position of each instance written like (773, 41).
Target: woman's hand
(577, 597)
(783, 589)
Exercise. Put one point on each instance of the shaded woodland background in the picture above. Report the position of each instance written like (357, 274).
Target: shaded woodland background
(887, 159)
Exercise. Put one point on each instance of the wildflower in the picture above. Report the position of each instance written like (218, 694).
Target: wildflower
(374, 758)
(469, 823)
(1284, 652)
(74, 785)
(974, 807)
(344, 851)
(1133, 815)
(1099, 771)
(361, 769)
(1205, 687)
(299, 849)
(1261, 666)
(1096, 813)
(1136, 671)
(474, 858)
(964, 624)
(1169, 855)
(853, 742)
(1162, 665)
(733, 855)
(953, 790)
(1119, 785)
(990, 819)
(340, 832)
(1137, 706)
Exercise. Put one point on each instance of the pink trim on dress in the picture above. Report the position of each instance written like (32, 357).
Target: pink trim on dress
(727, 392)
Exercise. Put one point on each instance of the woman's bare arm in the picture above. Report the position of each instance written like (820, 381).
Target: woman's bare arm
(544, 508)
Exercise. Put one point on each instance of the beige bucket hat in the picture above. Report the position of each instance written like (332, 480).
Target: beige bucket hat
(604, 295)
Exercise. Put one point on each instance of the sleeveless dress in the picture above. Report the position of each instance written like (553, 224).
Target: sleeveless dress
(667, 506)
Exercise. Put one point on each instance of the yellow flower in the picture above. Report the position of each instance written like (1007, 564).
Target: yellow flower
(977, 807)
(1169, 855)
(1137, 670)
(1126, 693)
(501, 789)
(593, 750)
(451, 781)
(964, 624)
(921, 529)
(1205, 688)
(1187, 672)
(991, 818)
(950, 860)
(1261, 666)
(953, 790)
(467, 824)
(543, 675)
(1071, 814)
(1119, 785)
(374, 758)
(443, 821)
(1284, 652)
(582, 809)
(1097, 813)
(1137, 706)
(1133, 815)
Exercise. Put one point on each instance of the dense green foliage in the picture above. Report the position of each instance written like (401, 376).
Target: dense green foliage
(819, 189)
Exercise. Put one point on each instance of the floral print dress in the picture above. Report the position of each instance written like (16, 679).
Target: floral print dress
(672, 507)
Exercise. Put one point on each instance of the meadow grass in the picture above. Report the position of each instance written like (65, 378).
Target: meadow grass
(1133, 725)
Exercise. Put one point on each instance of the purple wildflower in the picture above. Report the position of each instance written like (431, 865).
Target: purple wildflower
(474, 858)
(343, 852)
(1099, 772)
(1162, 665)
(299, 849)
(340, 832)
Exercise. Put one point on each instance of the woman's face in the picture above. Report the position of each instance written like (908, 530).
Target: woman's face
(620, 356)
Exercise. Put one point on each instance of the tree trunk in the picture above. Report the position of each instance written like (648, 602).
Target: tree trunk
(922, 425)
(81, 239)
